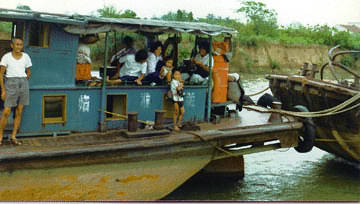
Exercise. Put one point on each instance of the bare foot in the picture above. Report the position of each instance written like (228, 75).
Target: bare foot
(176, 128)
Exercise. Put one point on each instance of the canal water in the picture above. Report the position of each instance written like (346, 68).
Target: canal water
(280, 175)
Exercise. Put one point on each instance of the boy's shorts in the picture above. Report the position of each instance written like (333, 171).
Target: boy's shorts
(17, 91)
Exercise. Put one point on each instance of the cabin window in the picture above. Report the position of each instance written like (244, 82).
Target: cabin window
(116, 106)
(18, 30)
(5, 37)
(54, 109)
(39, 35)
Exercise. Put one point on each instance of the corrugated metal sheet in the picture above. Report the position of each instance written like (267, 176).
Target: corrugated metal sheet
(79, 24)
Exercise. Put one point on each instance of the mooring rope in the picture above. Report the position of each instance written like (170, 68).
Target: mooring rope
(215, 146)
(327, 112)
(257, 93)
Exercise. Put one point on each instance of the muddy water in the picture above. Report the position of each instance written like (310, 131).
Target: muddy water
(281, 175)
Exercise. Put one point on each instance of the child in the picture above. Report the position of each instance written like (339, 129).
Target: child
(166, 70)
(177, 89)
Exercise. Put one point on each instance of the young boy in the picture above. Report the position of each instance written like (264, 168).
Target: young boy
(177, 89)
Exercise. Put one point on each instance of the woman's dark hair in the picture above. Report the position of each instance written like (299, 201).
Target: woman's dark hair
(128, 41)
(155, 45)
(141, 55)
(204, 45)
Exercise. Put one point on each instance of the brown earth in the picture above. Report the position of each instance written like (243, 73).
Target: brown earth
(273, 56)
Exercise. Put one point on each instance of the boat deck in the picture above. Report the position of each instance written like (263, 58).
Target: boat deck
(246, 128)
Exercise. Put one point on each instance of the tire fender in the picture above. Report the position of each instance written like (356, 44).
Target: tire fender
(307, 133)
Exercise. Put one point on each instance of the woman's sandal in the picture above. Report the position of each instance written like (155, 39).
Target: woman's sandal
(15, 142)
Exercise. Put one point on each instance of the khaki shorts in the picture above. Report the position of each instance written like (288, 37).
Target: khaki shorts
(17, 91)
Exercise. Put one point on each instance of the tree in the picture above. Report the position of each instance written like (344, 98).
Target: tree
(112, 12)
(23, 7)
(180, 15)
(261, 19)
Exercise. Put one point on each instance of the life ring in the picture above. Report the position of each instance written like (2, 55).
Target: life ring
(307, 133)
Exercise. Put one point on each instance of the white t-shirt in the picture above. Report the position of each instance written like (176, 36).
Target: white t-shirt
(131, 67)
(204, 60)
(16, 67)
(165, 72)
(173, 85)
(152, 60)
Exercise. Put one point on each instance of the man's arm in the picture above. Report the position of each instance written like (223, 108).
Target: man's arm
(138, 80)
(3, 92)
(28, 73)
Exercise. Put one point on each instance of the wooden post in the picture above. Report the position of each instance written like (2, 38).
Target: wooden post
(132, 121)
(159, 118)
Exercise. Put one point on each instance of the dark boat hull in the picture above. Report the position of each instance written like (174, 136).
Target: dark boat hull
(337, 134)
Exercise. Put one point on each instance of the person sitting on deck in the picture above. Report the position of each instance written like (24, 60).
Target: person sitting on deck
(201, 60)
(127, 50)
(177, 90)
(166, 70)
(152, 73)
(133, 69)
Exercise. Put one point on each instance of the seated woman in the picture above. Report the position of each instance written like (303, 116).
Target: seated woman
(201, 60)
(152, 73)
(133, 69)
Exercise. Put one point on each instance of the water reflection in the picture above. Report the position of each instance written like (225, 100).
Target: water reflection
(281, 175)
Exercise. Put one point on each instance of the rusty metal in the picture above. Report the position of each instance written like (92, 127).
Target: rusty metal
(132, 121)
(275, 117)
(323, 95)
(332, 63)
(159, 119)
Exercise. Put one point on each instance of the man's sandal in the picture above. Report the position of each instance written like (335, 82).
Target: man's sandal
(15, 142)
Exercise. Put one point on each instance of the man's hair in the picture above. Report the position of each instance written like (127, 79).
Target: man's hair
(128, 41)
(141, 55)
(13, 40)
(155, 45)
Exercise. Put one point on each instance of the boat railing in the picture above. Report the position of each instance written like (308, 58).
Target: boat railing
(331, 64)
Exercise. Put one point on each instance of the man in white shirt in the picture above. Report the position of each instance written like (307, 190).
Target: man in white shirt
(134, 67)
(15, 90)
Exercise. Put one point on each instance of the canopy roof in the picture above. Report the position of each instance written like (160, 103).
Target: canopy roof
(79, 24)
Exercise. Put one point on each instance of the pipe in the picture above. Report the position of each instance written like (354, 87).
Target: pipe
(103, 88)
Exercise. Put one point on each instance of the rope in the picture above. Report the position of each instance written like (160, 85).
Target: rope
(257, 93)
(215, 146)
(125, 117)
(327, 112)
(334, 140)
(342, 143)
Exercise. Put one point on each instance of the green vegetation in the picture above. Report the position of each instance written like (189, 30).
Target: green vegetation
(260, 28)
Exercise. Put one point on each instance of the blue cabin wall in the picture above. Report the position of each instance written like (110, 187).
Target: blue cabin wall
(53, 66)
(142, 100)
(53, 73)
